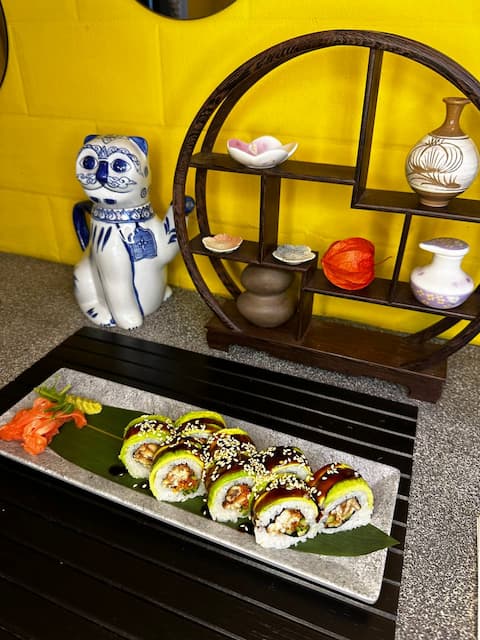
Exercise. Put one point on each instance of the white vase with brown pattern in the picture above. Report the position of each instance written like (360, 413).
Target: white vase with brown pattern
(445, 162)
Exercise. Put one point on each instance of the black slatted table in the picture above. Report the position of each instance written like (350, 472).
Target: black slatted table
(75, 565)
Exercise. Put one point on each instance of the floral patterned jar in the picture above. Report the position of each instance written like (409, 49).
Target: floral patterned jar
(442, 284)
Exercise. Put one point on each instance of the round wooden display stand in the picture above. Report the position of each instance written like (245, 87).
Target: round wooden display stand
(416, 361)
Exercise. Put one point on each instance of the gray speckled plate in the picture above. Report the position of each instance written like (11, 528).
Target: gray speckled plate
(359, 577)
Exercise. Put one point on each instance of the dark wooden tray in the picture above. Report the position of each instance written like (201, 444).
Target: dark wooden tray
(83, 566)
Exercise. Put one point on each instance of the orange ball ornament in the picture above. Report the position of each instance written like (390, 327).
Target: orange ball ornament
(349, 264)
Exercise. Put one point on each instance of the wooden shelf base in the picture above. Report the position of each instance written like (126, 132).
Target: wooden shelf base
(336, 346)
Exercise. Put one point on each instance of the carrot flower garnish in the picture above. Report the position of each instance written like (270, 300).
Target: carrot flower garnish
(36, 426)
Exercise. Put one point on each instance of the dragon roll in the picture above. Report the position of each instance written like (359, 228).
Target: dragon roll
(177, 471)
(142, 437)
(343, 496)
(229, 483)
(284, 512)
(285, 459)
(227, 443)
(199, 424)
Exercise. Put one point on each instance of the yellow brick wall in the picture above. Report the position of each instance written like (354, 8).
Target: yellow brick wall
(83, 66)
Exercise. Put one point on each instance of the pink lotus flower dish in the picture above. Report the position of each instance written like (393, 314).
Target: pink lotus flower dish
(263, 153)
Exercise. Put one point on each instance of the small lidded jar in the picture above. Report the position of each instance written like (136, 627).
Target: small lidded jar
(442, 284)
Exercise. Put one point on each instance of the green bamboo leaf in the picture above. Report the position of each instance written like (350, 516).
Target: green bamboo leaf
(357, 542)
(95, 448)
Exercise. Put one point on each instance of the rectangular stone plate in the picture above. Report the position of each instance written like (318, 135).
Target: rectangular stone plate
(359, 577)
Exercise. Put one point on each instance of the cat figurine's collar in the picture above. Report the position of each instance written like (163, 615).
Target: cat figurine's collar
(134, 214)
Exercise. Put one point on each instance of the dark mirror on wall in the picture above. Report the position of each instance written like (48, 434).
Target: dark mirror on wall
(3, 45)
(186, 9)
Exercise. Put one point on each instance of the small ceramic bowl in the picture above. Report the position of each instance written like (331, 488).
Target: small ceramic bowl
(293, 253)
(262, 153)
(222, 243)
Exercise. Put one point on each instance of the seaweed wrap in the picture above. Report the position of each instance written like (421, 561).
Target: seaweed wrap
(199, 424)
(141, 439)
(229, 483)
(344, 498)
(281, 459)
(177, 471)
(284, 512)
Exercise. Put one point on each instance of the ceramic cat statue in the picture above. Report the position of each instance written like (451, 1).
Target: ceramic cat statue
(122, 276)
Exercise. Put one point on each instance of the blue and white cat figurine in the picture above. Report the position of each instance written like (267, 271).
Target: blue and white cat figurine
(122, 276)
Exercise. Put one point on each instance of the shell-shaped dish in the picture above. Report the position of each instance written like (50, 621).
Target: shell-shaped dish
(262, 153)
(222, 243)
(293, 253)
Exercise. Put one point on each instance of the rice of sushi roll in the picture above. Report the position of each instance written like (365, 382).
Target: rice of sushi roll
(284, 512)
(229, 483)
(177, 471)
(199, 424)
(281, 459)
(343, 496)
(141, 439)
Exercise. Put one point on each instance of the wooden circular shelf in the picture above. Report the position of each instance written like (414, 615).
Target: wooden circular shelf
(417, 360)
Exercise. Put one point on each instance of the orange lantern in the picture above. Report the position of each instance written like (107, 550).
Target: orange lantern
(348, 263)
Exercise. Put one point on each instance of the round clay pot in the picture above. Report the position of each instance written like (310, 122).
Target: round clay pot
(268, 300)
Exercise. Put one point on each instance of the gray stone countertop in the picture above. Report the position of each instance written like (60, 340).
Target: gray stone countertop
(438, 598)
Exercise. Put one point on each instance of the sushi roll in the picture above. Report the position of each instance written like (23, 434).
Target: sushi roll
(284, 512)
(141, 439)
(344, 498)
(282, 459)
(199, 424)
(229, 483)
(229, 442)
(177, 471)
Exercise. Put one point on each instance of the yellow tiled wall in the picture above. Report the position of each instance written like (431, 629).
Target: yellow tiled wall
(111, 66)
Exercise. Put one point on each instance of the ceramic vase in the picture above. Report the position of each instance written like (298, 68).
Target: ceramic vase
(444, 163)
(268, 300)
(442, 284)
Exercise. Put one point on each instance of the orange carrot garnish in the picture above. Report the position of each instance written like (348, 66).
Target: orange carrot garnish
(35, 427)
